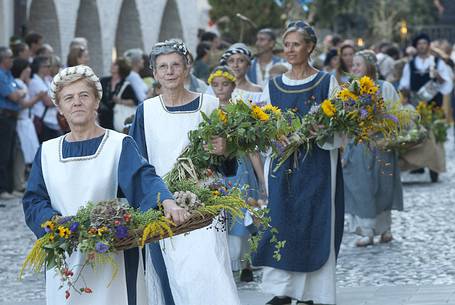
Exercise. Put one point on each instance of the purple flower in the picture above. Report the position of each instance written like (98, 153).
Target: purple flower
(391, 117)
(74, 227)
(47, 229)
(363, 113)
(121, 232)
(101, 248)
(65, 219)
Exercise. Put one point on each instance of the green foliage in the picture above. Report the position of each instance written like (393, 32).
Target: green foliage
(264, 13)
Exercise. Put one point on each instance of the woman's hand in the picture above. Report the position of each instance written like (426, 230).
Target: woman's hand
(172, 211)
(218, 146)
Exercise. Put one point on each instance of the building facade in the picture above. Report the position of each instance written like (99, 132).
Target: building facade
(110, 26)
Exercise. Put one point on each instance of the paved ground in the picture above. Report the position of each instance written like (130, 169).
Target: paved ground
(418, 267)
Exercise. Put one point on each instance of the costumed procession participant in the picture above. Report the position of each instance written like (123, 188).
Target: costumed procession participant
(372, 181)
(238, 58)
(306, 193)
(418, 73)
(92, 164)
(343, 73)
(222, 81)
(258, 73)
(194, 268)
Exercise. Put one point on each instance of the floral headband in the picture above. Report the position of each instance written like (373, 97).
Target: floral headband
(80, 70)
(221, 73)
(369, 56)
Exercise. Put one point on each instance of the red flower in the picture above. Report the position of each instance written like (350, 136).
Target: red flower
(87, 290)
(127, 217)
(117, 222)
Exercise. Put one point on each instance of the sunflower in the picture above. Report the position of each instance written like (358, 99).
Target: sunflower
(367, 86)
(328, 108)
(259, 113)
(271, 109)
(222, 116)
(346, 95)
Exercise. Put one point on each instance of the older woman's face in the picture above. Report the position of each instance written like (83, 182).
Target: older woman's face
(239, 64)
(171, 70)
(359, 67)
(77, 102)
(296, 49)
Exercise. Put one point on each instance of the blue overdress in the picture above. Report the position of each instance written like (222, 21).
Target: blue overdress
(300, 195)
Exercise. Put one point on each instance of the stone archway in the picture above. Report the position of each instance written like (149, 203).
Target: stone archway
(129, 34)
(44, 20)
(88, 26)
(171, 24)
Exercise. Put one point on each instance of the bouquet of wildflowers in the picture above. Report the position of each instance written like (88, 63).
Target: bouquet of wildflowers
(246, 127)
(433, 119)
(357, 111)
(100, 229)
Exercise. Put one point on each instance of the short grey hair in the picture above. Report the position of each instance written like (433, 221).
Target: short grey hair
(4, 51)
(133, 55)
(169, 47)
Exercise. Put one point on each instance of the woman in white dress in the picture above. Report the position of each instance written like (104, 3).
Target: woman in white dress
(190, 269)
(91, 164)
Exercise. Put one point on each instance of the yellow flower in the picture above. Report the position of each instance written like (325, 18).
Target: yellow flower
(63, 232)
(48, 224)
(216, 193)
(367, 86)
(345, 95)
(51, 237)
(222, 116)
(259, 114)
(102, 230)
(220, 73)
(328, 108)
(272, 109)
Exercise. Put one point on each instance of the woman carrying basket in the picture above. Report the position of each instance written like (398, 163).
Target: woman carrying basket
(92, 164)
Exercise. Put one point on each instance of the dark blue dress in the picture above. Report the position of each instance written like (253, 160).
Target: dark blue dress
(300, 197)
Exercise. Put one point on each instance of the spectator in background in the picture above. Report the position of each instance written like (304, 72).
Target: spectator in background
(136, 59)
(343, 74)
(10, 97)
(78, 56)
(215, 52)
(331, 61)
(201, 68)
(28, 140)
(79, 42)
(385, 62)
(34, 41)
(21, 50)
(192, 83)
(116, 91)
(258, 72)
(45, 112)
(46, 50)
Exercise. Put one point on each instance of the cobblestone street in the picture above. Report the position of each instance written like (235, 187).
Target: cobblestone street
(422, 252)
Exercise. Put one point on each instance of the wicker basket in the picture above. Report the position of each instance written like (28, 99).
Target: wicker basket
(196, 221)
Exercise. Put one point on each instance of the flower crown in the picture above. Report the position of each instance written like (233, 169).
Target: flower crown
(220, 73)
